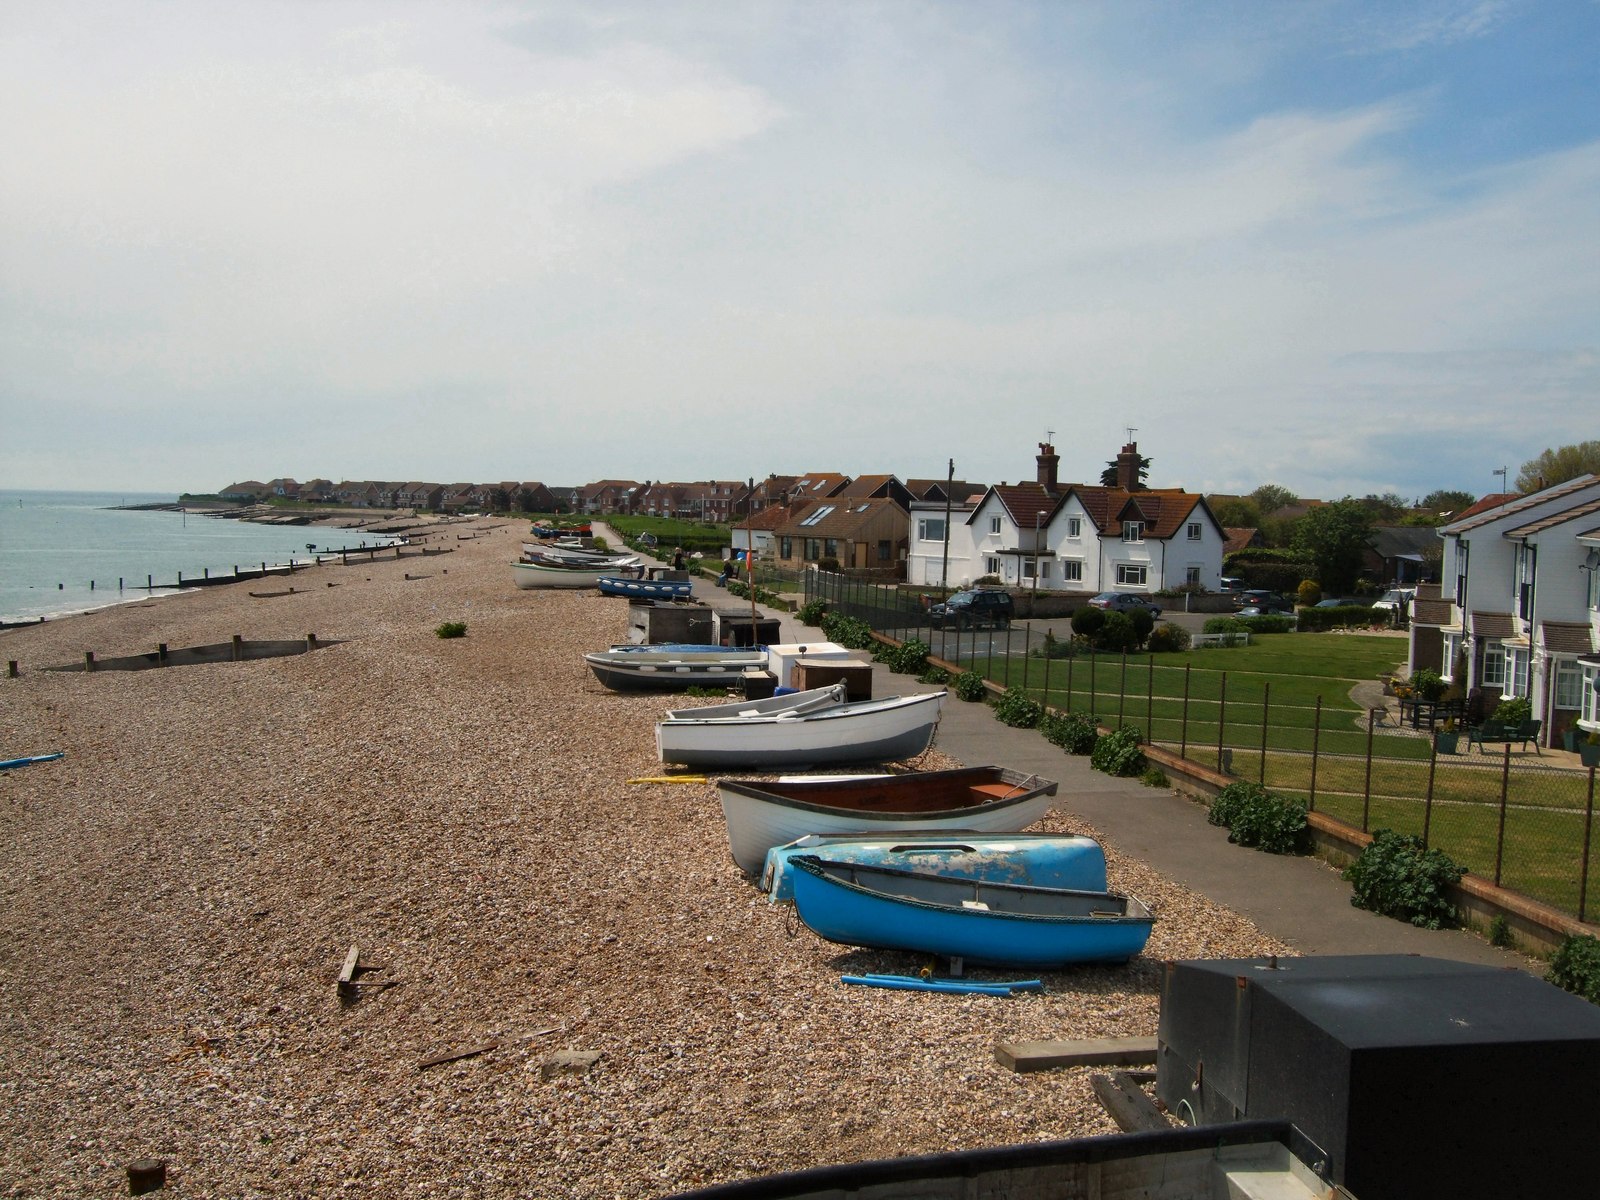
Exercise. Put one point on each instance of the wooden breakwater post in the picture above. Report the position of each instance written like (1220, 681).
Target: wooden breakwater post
(161, 653)
(11, 669)
(311, 641)
(238, 648)
(88, 660)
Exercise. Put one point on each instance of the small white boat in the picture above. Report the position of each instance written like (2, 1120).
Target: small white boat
(528, 575)
(652, 670)
(826, 733)
(762, 814)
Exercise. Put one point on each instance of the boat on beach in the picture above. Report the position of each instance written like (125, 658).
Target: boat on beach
(643, 669)
(820, 733)
(761, 814)
(1057, 860)
(529, 575)
(645, 589)
(975, 921)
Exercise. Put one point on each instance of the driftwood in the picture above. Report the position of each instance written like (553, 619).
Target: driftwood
(444, 1056)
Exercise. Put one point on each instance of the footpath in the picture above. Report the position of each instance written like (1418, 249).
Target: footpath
(1299, 900)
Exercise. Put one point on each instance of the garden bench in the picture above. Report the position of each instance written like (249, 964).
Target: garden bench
(1499, 732)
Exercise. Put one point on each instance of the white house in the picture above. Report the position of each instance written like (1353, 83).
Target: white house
(1517, 611)
(1077, 537)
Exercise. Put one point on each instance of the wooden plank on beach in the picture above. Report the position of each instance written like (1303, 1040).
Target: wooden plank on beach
(347, 973)
(1083, 1052)
(1127, 1103)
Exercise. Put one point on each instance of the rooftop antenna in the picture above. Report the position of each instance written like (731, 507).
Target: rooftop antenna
(1050, 436)
(1132, 429)
(1500, 471)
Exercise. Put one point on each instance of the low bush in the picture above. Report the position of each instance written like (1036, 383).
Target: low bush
(935, 675)
(1513, 711)
(849, 632)
(1396, 877)
(1017, 709)
(1118, 753)
(1345, 616)
(970, 686)
(1260, 819)
(812, 612)
(1226, 625)
(1054, 647)
(1575, 966)
(1076, 733)
(452, 629)
(1308, 593)
(1164, 639)
(1154, 777)
(1266, 624)
(1119, 633)
(1427, 683)
(908, 658)
(1087, 622)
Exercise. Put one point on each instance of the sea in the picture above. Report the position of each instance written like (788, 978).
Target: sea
(69, 552)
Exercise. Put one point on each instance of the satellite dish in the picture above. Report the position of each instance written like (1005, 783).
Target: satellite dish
(1592, 560)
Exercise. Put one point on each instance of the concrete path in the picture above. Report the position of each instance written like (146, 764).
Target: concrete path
(1301, 901)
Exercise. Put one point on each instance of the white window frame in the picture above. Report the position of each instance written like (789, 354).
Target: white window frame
(991, 564)
(1133, 531)
(1027, 568)
(1074, 527)
(1072, 570)
(926, 527)
(1132, 574)
(1569, 684)
(1590, 713)
(994, 526)
(1494, 667)
(1191, 577)
(1517, 662)
(1195, 532)
(1451, 648)
(1044, 569)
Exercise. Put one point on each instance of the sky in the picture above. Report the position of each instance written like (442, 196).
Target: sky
(1343, 247)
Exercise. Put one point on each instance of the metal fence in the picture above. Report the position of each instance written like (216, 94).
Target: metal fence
(1503, 811)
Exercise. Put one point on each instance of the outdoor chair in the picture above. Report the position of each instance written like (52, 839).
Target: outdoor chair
(1490, 731)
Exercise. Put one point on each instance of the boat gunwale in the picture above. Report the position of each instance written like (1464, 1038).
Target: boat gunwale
(849, 708)
(759, 790)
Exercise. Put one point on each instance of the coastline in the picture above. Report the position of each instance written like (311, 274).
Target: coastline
(183, 886)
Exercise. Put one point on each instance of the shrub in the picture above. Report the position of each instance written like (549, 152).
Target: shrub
(1266, 624)
(1427, 683)
(1308, 593)
(1575, 966)
(1396, 877)
(969, 685)
(1118, 753)
(1142, 623)
(1053, 647)
(1226, 625)
(849, 632)
(1261, 819)
(452, 629)
(812, 612)
(1118, 633)
(1076, 733)
(1167, 638)
(935, 675)
(1017, 709)
(1346, 616)
(1154, 777)
(908, 658)
(1514, 710)
(1087, 621)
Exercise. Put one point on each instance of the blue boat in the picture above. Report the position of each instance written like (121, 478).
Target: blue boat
(648, 589)
(993, 924)
(1052, 860)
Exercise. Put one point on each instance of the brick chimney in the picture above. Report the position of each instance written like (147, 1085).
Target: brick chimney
(1128, 468)
(1049, 461)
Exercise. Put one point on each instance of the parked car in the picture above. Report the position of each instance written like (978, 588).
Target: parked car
(1230, 583)
(976, 606)
(1336, 602)
(1396, 603)
(1263, 598)
(1265, 610)
(1124, 602)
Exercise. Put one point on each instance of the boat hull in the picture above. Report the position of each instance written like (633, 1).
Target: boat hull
(530, 575)
(761, 814)
(1050, 860)
(994, 924)
(648, 589)
(868, 731)
(636, 671)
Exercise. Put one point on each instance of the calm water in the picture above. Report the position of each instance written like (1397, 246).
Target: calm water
(54, 545)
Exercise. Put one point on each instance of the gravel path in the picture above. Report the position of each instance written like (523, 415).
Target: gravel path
(177, 896)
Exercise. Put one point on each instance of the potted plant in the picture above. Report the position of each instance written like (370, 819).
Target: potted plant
(1446, 737)
(1589, 749)
(1428, 684)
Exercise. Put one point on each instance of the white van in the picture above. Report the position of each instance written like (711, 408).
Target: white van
(1230, 583)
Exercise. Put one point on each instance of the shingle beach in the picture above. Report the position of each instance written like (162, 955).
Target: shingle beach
(179, 892)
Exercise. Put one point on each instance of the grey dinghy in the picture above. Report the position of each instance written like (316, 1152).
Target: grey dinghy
(820, 733)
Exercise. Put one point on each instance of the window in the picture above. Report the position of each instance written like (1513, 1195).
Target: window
(1044, 569)
(1074, 527)
(1461, 575)
(1591, 694)
(1133, 531)
(1191, 577)
(991, 565)
(831, 546)
(1194, 531)
(1494, 667)
(1072, 570)
(1517, 685)
(1452, 649)
(786, 547)
(1569, 685)
(1027, 568)
(819, 514)
(813, 549)
(1130, 574)
(994, 526)
(930, 529)
(885, 550)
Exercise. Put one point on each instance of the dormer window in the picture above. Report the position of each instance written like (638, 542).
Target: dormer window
(1133, 531)
(1074, 527)
(994, 526)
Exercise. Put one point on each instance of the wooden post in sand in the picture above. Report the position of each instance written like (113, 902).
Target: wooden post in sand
(88, 660)
(161, 653)
(238, 648)
(311, 641)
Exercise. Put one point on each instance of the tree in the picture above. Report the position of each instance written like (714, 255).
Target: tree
(500, 500)
(1386, 509)
(1334, 537)
(1242, 513)
(1270, 497)
(1558, 466)
(1108, 477)
(1445, 502)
